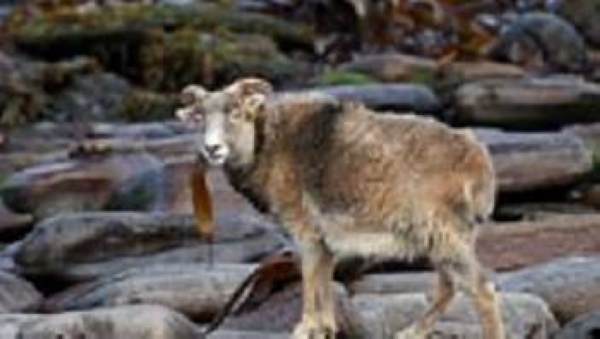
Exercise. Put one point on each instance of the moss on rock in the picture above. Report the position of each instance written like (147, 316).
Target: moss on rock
(166, 47)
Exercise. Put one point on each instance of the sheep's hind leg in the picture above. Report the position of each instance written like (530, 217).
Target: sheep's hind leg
(470, 278)
(444, 294)
(318, 313)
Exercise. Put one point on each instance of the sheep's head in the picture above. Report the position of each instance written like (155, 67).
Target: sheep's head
(226, 119)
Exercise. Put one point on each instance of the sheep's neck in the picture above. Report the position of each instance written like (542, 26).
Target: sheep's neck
(250, 179)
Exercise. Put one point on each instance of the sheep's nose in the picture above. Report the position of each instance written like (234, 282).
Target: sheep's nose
(213, 149)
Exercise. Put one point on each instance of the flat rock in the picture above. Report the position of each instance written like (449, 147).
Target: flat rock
(388, 314)
(394, 97)
(83, 246)
(461, 72)
(392, 283)
(196, 290)
(533, 161)
(527, 103)
(126, 180)
(143, 321)
(514, 245)
(570, 286)
(541, 41)
(17, 295)
(227, 334)
(394, 67)
(584, 326)
(279, 310)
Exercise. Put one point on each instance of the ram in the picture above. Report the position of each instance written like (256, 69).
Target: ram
(345, 181)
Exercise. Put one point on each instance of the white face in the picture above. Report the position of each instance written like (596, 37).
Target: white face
(226, 121)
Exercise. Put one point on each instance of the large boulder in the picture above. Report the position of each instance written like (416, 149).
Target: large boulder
(585, 15)
(17, 295)
(525, 316)
(128, 180)
(570, 286)
(527, 103)
(542, 41)
(144, 321)
(514, 245)
(196, 290)
(83, 246)
(395, 97)
(532, 161)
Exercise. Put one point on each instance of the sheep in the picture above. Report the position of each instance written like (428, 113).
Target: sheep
(346, 181)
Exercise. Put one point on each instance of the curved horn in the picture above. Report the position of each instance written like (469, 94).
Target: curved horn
(250, 86)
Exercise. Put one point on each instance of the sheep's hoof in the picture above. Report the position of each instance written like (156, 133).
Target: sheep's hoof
(313, 332)
(411, 332)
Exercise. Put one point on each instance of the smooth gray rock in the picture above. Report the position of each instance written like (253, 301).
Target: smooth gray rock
(17, 295)
(196, 290)
(395, 97)
(135, 322)
(570, 286)
(527, 103)
(385, 315)
(82, 246)
(86, 182)
(531, 161)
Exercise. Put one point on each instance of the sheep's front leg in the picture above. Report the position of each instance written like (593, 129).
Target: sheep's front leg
(318, 314)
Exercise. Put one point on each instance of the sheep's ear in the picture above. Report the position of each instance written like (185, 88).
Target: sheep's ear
(191, 98)
(250, 86)
(192, 94)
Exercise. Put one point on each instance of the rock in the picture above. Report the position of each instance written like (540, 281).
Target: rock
(83, 246)
(585, 15)
(86, 182)
(514, 245)
(144, 321)
(196, 290)
(164, 48)
(570, 286)
(395, 68)
(585, 326)
(11, 222)
(17, 295)
(542, 41)
(528, 103)
(94, 97)
(392, 283)
(533, 161)
(281, 310)
(388, 314)
(225, 334)
(460, 72)
(395, 97)
(30, 86)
